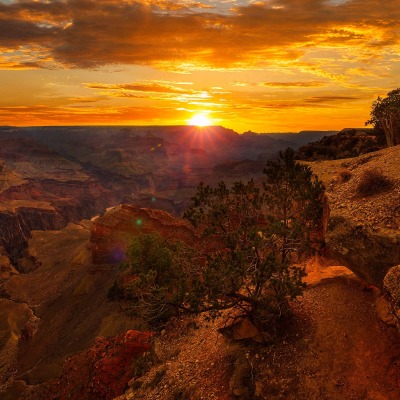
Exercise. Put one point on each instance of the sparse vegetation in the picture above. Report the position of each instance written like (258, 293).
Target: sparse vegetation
(347, 143)
(373, 182)
(256, 233)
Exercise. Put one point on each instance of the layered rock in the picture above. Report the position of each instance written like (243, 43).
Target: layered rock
(17, 321)
(18, 219)
(76, 172)
(42, 190)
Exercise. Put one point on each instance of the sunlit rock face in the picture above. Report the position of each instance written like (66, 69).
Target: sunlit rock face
(113, 231)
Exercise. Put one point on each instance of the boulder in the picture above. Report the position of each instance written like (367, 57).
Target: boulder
(240, 329)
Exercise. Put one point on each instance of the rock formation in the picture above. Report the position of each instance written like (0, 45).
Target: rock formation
(61, 338)
(57, 309)
(113, 231)
(391, 286)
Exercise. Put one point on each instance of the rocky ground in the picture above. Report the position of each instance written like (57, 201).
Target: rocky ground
(341, 177)
(335, 348)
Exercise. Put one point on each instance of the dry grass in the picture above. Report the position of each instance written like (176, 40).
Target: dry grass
(344, 174)
(373, 182)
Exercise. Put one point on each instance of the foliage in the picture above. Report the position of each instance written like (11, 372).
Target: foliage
(345, 144)
(373, 182)
(252, 234)
(259, 230)
(385, 115)
(159, 272)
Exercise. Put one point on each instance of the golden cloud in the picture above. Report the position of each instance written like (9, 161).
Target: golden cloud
(185, 35)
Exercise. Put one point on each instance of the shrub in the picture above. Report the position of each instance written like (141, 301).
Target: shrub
(344, 174)
(160, 273)
(373, 182)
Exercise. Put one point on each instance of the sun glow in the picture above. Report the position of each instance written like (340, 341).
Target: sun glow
(200, 120)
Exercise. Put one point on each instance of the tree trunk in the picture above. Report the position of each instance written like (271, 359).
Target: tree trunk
(391, 127)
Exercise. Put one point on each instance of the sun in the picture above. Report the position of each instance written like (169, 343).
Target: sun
(199, 120)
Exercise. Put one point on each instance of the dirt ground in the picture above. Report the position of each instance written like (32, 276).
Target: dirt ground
(335, 348)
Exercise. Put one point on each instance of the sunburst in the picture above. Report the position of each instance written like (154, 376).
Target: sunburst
(200, 119)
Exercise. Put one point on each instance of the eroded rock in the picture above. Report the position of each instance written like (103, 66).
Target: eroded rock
(241, 383)
(391, 285)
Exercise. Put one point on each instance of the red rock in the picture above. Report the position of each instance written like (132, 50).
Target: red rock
(103, 371)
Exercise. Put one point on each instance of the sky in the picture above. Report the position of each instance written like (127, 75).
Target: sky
(265, 66)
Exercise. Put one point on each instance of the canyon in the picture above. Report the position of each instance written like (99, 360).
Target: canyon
(71, 199)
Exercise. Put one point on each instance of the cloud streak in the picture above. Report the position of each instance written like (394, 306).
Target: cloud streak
(151, 87)
(308, 84)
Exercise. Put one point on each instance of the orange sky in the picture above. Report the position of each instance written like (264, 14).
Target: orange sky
(275, 65)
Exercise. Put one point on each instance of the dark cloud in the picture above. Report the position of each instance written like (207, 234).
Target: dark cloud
(89, 33)
(14, 33)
